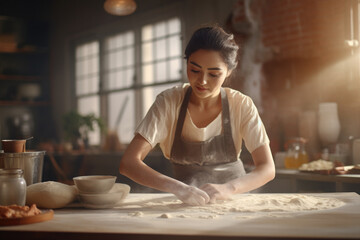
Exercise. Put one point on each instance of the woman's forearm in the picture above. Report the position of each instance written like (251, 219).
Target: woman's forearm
(253, 180)
(263, 172)
(139, 172)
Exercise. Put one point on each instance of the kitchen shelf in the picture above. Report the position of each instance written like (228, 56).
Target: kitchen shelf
(6, 77)
(24, 103)
(25, 50)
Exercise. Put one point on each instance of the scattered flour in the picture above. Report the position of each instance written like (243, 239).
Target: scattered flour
(136, 214)
(255, 204)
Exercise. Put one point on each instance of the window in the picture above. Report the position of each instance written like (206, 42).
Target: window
(161, 57)
(118, 76)
(87, 82)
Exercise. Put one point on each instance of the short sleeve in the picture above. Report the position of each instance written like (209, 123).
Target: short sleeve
(153, 126)
(252, 127)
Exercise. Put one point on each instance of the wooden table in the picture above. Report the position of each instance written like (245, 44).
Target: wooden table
(123, 222)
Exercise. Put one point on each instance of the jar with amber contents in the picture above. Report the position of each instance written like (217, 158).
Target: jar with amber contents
(296, 154)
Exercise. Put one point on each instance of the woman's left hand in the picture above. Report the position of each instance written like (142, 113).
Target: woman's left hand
(217, 191)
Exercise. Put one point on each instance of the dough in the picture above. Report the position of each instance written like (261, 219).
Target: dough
(50, 194)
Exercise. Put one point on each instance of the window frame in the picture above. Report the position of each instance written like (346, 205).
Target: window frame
(113, 30)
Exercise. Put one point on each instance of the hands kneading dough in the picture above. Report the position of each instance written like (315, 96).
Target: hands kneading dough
(50, 194)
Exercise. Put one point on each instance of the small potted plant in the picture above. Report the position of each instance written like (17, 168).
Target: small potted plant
(77, 127)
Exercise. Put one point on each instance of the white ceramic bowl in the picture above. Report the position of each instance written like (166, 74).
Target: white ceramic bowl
(94, 184)
(106, 200)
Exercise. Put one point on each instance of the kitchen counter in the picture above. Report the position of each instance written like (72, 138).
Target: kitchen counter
(131, 220)
(294, 181)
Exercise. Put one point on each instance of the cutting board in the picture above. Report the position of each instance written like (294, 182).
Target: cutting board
(44, 216)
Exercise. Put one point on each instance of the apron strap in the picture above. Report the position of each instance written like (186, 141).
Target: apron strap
(229, 142)
(180, 121)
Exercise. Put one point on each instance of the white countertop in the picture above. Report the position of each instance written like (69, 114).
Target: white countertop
(124, 220)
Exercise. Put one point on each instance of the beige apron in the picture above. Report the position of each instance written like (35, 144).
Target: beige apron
(211, 161)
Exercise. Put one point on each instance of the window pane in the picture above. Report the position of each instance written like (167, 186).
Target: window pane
(129, 56)
(109, 43)
(147, 52)
(160, 29)
(94, 65)
(119, 79)
(94, 86)
(112, 80)
(112, 60)
(129, 76)
(94, 48)
(150, 93)
(161, 72)
(175, 69)
(87, 68)
(79, 69)
(174, 26)
(129, 39)
(78, 87)
(160, 50)
(119, 58)
(174, 46)
(146, 33)
(148, 73)
(119, 41)
(122, 115)
(160, 46)
(87, 105)
(79, 52)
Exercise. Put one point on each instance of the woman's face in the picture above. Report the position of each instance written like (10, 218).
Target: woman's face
(206, 71)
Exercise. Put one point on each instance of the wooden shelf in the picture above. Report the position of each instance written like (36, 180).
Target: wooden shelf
(24, 103)
(20, 77)
(25, 50)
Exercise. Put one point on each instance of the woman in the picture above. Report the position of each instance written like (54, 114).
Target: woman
(200, 127)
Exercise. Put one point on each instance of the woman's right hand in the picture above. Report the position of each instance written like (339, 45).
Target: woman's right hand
(192, 195)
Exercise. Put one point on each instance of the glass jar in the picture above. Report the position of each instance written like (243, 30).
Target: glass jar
(296, 154)
(12, 187)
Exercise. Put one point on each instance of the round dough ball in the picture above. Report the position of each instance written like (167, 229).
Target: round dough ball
(50, 194)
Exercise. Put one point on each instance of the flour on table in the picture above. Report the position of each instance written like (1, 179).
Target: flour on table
(241, 206)
(136, 214)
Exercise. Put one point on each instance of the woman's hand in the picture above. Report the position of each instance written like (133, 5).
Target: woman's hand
(192, 195)
(217, 191)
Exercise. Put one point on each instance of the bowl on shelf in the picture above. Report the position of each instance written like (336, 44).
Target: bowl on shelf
(94, 184)
(105, 200)
(29, 91)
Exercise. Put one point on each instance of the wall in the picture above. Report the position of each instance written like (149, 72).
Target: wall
(304, 61)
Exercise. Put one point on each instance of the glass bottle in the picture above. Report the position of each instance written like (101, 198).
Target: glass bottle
(296, 154)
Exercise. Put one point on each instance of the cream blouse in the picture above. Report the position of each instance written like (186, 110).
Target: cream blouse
(159, 124)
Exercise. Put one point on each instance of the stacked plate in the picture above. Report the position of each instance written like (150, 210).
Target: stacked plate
(100, 191)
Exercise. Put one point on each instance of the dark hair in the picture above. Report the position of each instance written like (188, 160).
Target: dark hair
(214, 38)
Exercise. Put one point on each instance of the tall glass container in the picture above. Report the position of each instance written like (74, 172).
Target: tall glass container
(328, 123)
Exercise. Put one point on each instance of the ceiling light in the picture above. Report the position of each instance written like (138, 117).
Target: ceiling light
(120, 7)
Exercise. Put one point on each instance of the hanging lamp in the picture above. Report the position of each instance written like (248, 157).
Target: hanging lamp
(120, 7)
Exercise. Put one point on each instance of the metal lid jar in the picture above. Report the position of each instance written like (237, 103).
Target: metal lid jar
(12, 187)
